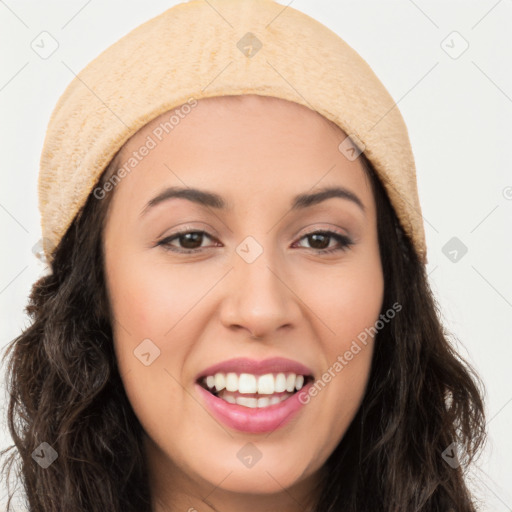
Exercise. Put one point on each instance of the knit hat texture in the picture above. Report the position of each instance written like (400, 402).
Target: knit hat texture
(199, 49)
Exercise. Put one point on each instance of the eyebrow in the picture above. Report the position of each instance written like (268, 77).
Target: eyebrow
(213, 200)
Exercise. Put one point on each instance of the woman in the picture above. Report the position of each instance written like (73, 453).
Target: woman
(237, 315)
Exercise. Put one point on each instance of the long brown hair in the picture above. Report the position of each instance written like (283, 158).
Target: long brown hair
(422, 410)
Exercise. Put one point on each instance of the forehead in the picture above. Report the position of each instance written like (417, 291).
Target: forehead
(240, 122)
(243, 145)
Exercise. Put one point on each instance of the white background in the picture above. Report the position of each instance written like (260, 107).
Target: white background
(459, 115)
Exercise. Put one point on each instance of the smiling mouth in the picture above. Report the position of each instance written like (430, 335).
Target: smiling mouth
(254, 391)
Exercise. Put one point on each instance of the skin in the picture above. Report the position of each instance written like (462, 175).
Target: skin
(202, 308)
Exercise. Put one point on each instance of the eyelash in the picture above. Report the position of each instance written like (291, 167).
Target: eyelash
(344, 241)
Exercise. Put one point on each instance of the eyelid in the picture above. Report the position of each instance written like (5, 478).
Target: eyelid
(344, 240)
(322, 226)
(164, 241)
(187, 228)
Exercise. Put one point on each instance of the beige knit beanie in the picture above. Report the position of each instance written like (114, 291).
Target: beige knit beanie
(200, 49)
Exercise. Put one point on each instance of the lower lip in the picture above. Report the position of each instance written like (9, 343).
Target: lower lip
(257, 420)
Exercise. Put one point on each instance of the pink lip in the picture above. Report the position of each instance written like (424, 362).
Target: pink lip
(254, 420)
(246, 365)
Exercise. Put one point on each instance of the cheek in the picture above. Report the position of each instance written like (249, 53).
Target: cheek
(147, 313)
(149, 307)
(347, 304)
(355, 305)
(347, 299)
(148, 299)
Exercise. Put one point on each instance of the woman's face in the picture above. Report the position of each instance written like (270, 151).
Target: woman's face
(254, 285)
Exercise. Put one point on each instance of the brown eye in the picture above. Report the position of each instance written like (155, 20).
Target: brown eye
(191, 241)
(188, 241)
(320, 240)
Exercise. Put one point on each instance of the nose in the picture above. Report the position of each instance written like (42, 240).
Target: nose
(259, 299)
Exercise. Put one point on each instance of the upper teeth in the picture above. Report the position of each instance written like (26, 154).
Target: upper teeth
(249, 383)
